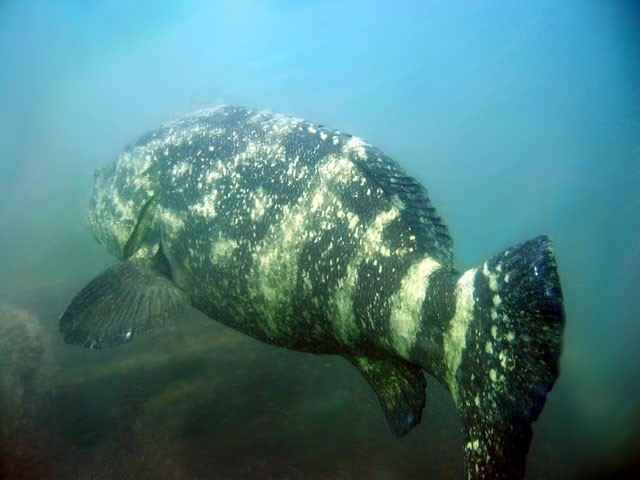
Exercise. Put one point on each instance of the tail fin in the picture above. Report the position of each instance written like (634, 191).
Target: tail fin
(504, 344)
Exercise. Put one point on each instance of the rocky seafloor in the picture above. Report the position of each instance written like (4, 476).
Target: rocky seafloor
(202, 401)
(199, 402)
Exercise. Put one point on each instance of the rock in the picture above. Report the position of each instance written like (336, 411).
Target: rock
(25, 382)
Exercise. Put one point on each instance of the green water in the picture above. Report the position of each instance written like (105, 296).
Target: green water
(520, 118)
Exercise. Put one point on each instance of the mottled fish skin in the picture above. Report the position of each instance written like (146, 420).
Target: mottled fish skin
(295, 234)
(312, 239)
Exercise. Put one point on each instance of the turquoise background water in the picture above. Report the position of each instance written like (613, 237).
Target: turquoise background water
(520, 118)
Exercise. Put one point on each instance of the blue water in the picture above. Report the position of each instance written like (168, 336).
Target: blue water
(520, 118)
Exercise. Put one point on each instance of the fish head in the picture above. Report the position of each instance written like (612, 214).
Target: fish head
(122, 205)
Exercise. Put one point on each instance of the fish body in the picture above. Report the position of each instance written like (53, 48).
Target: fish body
(311, 239)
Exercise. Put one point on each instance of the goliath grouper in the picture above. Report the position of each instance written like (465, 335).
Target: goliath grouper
(311, 239)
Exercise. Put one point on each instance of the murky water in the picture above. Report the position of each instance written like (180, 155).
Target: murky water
(520, 118)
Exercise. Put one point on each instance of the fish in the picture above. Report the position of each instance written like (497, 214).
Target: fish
(312, 239)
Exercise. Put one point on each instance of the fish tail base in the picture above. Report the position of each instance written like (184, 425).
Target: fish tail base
(508, 326)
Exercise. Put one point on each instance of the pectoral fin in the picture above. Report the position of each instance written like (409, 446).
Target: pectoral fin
(400, 387)
(124, 300)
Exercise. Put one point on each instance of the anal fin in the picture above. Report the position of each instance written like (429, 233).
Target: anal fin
(124, 300)
(400, 387)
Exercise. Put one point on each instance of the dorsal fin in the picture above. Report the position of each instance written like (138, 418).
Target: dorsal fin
(418, 212)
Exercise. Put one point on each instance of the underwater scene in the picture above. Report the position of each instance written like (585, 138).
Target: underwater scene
(218, 260)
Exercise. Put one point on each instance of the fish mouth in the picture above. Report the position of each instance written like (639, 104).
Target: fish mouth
(141, 228)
